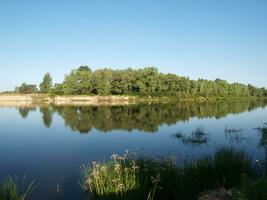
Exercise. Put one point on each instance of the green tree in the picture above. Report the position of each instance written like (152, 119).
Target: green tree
(79, 81)
(26, 88)
(148, 81)
(101, 82)
(58, 89)
(46, 85)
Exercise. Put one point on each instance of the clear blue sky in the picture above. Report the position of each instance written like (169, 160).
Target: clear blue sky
(208, 39)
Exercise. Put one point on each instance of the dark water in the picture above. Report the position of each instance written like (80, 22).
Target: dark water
(50, 143)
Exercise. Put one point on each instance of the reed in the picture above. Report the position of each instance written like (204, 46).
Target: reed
(17, 189)
(140, 177)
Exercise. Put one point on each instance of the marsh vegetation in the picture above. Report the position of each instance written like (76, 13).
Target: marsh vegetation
(139, 177)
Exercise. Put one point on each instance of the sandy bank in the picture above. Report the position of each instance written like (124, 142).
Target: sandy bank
(21, 100)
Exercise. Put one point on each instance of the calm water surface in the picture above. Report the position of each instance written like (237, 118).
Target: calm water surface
(49, 144)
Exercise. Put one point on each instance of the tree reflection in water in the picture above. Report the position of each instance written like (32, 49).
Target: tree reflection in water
(24, 111)
(143, 117)
(47, 115)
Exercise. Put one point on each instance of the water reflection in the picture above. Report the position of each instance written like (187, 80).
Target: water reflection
(198, 137)
(24, 111)
(141, 117)
(234, 134)
(47, 115)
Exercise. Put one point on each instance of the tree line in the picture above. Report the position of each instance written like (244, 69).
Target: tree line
(146, 81)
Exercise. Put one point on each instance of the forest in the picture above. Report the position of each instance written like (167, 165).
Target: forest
(144, 82)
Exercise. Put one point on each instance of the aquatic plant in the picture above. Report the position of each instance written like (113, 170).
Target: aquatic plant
(114, 178)
(134, 177)
(234, 134)
(198, 137)
(17, 189)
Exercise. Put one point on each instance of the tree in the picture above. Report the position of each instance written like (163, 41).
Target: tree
(84, 68)
(46, 85)
(148, 81)
(79, 81)
(101, 82)
(26, 88)
(58, 89)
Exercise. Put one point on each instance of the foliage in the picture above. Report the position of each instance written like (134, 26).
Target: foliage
(147, 81)
(16, 189)
(79, 81)
(58, 89)
(26, 88)
(46, 84)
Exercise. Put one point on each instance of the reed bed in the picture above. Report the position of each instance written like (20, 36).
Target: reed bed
(140, 177)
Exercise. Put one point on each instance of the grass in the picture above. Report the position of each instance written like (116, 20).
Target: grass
(16, 189)
(113, 178)
(131, 177)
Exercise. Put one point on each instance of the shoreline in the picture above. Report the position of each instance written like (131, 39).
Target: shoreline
(33, 99)
(45, 99)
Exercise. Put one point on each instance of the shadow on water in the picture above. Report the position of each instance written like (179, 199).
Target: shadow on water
(143, 117)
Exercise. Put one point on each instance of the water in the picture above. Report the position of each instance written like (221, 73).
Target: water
(50, 143)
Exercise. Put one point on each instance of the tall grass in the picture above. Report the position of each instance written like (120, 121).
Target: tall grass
(111, 179)
(16, 189)
(130, 177)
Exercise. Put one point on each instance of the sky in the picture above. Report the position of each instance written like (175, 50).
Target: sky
(195, 38)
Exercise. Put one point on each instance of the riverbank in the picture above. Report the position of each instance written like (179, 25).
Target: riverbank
(31, 99)
(13, 99)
